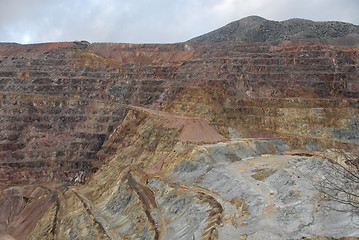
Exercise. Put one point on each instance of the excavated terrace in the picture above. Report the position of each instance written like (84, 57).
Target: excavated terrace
(177, 141)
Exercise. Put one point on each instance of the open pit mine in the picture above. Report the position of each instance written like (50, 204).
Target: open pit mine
(229, 135)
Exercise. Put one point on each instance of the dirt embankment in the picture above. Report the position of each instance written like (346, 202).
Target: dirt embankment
(194, 130)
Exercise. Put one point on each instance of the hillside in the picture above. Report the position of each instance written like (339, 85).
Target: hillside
(194, 140)
(258, 29)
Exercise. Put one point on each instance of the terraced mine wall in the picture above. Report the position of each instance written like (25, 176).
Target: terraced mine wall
(61, 101)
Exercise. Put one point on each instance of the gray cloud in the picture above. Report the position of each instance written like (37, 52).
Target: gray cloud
(139, 21)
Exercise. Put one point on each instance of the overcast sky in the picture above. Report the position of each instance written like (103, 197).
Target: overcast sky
(150, 21)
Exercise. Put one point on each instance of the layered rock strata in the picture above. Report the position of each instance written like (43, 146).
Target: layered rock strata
(59, 102)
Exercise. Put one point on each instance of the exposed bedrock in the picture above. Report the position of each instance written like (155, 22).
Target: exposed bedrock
(156, 185)
(61, 101)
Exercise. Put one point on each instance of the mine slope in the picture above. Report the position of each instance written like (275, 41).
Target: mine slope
(197, 140)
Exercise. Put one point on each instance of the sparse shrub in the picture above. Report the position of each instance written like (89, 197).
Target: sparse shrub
(340, 181)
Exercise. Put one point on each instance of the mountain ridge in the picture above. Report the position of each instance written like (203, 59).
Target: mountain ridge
(258, 29)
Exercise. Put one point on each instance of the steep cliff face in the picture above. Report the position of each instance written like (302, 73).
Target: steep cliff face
(174, 141)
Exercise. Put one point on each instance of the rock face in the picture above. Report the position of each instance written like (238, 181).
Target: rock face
(177, 141)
